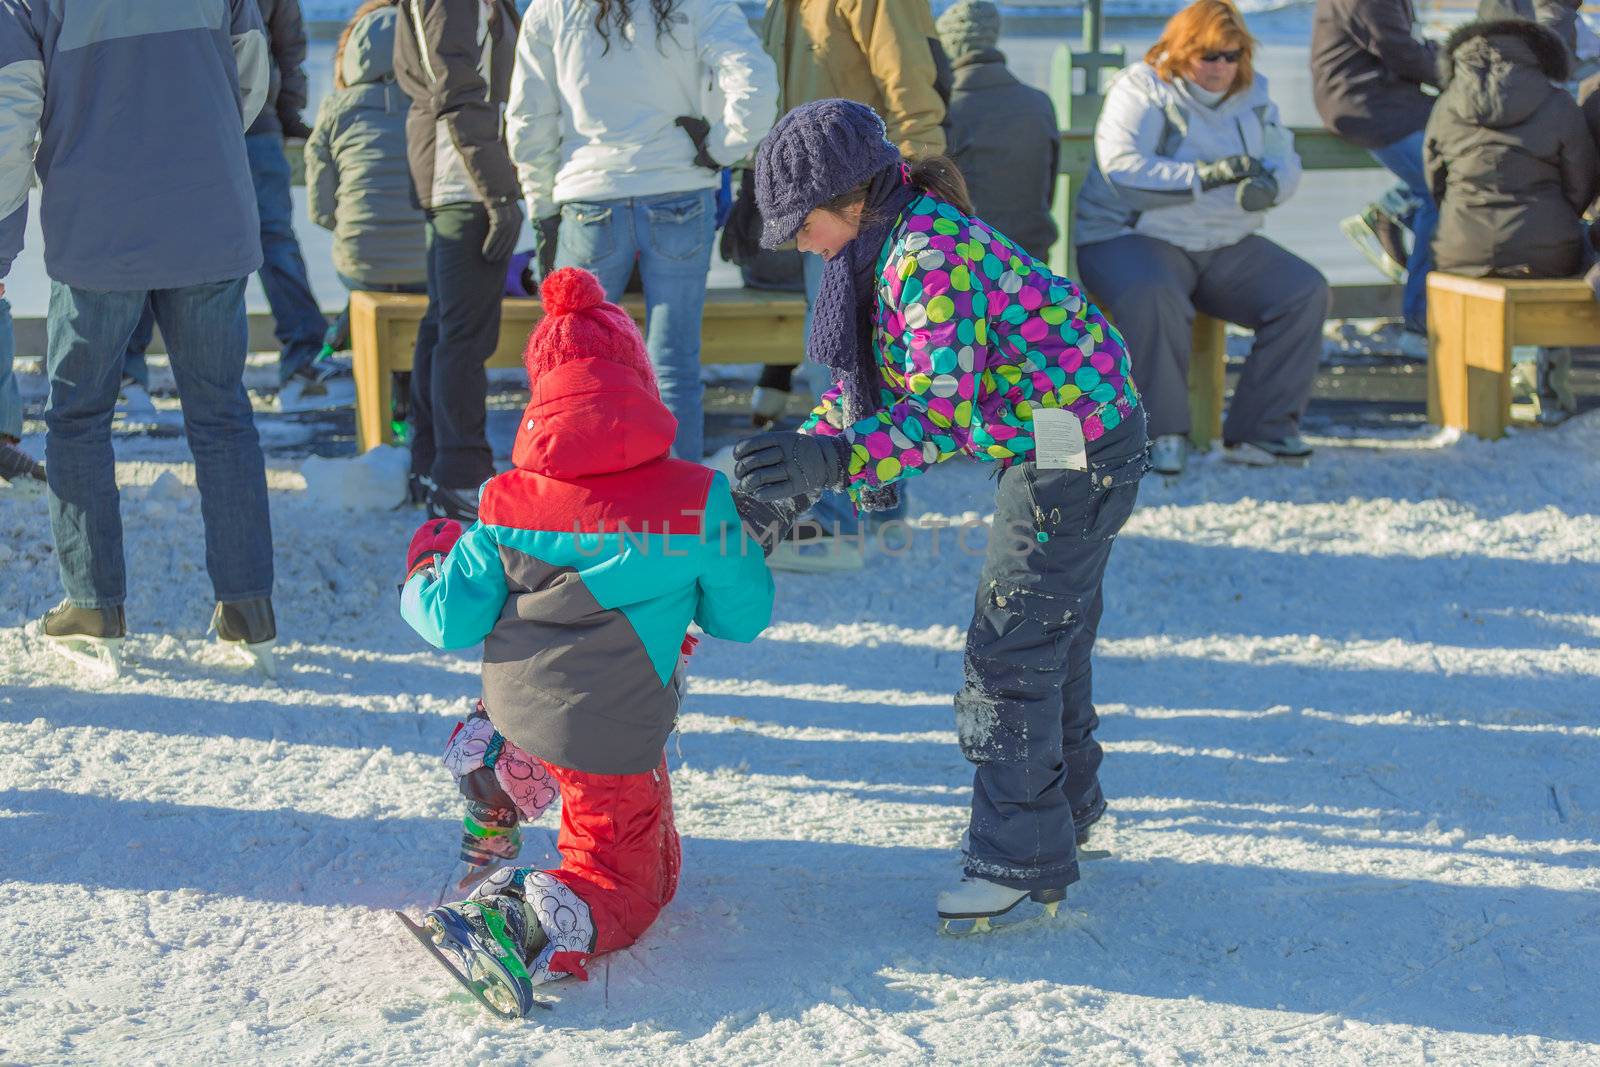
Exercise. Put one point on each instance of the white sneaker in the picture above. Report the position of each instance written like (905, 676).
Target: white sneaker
(133, 401)
(980, 900)
(1169, 453)
(766, 406)
(319, 386)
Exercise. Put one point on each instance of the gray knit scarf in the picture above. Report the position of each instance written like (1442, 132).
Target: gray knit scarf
(841, 320)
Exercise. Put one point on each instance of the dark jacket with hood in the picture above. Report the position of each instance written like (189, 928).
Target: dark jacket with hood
(1508, 156)
(1560, 17)
(1367, 70)
(1010, 166)
(357, 181)
(454, 59)
(286, 92)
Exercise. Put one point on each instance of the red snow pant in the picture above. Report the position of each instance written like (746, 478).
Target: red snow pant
(619, 849)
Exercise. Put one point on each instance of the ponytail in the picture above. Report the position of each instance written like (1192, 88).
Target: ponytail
(940, 177)
(935, 175)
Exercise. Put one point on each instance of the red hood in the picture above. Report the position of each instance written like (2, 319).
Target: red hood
(591, 416)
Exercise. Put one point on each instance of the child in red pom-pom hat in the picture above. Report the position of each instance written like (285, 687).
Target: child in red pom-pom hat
(587, 564)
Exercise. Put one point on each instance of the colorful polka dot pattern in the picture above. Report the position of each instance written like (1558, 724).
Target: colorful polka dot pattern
(972, 335)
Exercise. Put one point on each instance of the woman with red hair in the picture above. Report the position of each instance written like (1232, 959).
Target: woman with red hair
(1189, 157)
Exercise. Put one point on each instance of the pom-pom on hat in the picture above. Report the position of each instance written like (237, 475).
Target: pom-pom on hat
(815, 153)
(579, 323)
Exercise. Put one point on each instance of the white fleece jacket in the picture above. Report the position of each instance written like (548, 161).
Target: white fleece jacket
(1152, 135)
(588, 123)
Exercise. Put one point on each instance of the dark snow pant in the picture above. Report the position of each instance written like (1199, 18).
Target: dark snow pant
(1153, 289)
(459, 332)
(1025, 716)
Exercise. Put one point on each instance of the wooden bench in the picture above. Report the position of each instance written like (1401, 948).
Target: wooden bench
(1473, 323)
(739, 326)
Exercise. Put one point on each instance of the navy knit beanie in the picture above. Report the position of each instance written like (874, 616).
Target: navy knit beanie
(816, 152)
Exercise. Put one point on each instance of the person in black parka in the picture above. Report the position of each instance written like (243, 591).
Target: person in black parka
(1508, 155)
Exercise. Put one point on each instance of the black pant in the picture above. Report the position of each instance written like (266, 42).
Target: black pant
(1026, 717)
(449, 386)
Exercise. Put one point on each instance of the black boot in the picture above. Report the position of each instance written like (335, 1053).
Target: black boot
(66, 621)
(249, 621)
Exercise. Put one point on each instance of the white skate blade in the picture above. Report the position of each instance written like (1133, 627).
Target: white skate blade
(256, 657)
(101, 657)
(1359, 232)
(956, 926)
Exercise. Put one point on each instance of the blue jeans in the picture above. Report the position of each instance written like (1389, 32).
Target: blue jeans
(10, 395)
(670, 236)
(1404, 160)
(206, 337)
(297, 320)
(134, 364)
(834, 509)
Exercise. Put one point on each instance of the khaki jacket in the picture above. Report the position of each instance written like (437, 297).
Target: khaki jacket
(876, 52)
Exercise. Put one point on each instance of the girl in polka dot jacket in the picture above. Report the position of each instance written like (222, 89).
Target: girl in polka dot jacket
(946, 339)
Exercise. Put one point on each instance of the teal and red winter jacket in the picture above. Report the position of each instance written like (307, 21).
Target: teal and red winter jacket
(586, 566)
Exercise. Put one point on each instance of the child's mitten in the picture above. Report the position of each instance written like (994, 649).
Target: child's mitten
(432, 541)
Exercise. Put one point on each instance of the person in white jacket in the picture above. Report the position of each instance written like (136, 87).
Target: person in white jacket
(621, 122)
(1189, 157)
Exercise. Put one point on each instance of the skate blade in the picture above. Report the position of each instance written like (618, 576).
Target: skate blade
(100, 656)
(972, 926)
(1359, 232)
(476, 988)
(257, 657)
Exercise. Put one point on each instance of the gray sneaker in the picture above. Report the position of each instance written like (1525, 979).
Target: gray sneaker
(1292, 450)
(16, 465)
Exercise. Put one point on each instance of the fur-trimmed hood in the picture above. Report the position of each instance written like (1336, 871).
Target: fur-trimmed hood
(1548, 51)
(1497, 72)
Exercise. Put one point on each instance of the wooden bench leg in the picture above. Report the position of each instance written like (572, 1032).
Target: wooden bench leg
(1469, 362)
(373, 403)
(1208, 380)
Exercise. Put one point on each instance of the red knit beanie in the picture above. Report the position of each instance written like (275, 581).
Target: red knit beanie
(578, 323)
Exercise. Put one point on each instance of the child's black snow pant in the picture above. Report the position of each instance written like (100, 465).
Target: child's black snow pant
(1025, 715)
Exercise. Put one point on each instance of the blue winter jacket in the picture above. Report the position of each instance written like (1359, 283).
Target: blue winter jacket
(139, 111)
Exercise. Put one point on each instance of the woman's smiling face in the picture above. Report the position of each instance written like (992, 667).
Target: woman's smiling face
(825, 233)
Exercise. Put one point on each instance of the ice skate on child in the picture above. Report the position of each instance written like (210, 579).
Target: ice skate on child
(588, 563)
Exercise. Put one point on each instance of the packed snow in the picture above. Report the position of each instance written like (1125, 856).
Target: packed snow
(1351, 723)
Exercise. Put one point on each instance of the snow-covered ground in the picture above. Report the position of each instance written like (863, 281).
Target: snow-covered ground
(1351, 724)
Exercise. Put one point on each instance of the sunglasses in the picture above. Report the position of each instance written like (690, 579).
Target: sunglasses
(1230, 56)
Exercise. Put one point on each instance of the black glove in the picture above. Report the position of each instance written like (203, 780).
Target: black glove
(545, 234)
(769, 521)
(1258, 193)
(294, 127)
(505, 226)
(698, 130)
(784, 463)
(1227, 171)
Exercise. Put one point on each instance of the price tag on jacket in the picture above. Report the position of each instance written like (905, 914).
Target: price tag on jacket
(1058, 440)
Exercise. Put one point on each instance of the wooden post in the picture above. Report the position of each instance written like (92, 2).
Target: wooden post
(372, 377)
(1208, 380)
(1469, 357)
